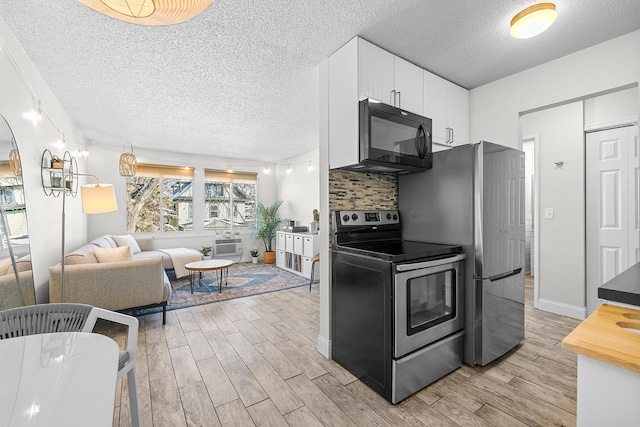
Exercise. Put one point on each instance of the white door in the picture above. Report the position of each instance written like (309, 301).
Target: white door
(612, 175)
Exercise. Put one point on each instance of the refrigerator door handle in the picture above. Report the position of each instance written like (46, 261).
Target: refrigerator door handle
(504, 275)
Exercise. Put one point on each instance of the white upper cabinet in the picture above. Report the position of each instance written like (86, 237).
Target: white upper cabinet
(388, 78)
(447, 105)
(408, 86)
(376, 73)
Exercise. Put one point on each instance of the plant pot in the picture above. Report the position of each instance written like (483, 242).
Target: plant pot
(269, 257)
(56, 181)
(57, 165)
(254, 259)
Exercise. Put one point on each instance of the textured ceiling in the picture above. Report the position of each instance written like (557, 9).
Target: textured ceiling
(241, 79)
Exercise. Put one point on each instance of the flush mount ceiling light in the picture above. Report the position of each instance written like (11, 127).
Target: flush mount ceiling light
(149, 12)
(533, 20)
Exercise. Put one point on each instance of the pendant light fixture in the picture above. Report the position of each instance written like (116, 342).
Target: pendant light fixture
(128, 162)
(533, 20)
(149, 12)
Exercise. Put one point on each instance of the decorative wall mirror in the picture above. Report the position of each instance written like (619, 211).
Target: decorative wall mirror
(16, 277)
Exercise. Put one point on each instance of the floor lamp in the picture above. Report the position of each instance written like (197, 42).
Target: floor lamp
(96, 199)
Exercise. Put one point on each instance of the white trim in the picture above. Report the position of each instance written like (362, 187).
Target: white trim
(536, 215)
(323, 346)
(627, 121)
(562, 309)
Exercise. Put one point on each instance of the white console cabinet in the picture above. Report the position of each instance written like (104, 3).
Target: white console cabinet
(295, 251)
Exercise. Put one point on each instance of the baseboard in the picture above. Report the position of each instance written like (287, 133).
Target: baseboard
(323, 346)
(562, 309)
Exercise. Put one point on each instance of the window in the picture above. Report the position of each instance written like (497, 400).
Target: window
(230, 200)
(160, 199)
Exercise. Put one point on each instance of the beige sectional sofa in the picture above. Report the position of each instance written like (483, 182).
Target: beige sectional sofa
(118, 285)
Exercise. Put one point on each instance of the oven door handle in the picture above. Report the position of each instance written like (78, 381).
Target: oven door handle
(427, 264)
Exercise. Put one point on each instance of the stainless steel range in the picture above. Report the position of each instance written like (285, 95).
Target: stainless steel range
(397, 305)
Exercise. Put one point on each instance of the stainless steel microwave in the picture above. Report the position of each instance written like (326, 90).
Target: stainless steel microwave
(393, 140)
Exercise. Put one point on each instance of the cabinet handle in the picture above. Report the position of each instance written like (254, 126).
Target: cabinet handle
(392, 97)
(451, 136)
(399, 101)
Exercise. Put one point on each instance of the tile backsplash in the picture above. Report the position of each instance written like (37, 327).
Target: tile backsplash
(350, 190)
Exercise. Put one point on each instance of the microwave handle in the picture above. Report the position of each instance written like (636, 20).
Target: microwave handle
(421, 142)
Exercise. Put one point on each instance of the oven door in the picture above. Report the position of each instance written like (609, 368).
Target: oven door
(428, 302)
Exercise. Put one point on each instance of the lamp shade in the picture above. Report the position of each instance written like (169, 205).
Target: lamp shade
(98, 198)
(149, 12)
(533, 20)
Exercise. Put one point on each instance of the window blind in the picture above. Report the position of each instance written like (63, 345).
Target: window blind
(162, 171)
(212, 175)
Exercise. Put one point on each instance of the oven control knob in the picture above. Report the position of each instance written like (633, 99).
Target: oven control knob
(354, 217)
(395, 217)
(345, 218)
(388, 216)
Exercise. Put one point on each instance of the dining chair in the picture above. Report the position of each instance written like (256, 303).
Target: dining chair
(314, 260)
(67, 317)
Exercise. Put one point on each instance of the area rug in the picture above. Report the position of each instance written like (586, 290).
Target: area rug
(245, 279)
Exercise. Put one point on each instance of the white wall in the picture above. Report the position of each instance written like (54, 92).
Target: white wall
(495, 107)
(561, 263)
(103, 162)
(43, 212)
(299, 188)
(612, 108)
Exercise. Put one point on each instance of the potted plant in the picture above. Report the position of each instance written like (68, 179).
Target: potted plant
(316, 215)
(269, 220)
(57, 162)
(254, 256)
(206, 250)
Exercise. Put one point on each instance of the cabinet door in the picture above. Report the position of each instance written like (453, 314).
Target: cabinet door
(375, 72)
(309, 250)
(288, 246)
(409, 81)
(459, 114)
(436, 106)
(306, 267)
(297, 244)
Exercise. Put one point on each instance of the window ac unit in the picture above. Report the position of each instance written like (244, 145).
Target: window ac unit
(226, 247)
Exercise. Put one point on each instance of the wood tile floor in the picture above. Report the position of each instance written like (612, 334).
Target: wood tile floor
(252, 361)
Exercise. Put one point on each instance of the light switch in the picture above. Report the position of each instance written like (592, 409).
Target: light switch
(548, 213)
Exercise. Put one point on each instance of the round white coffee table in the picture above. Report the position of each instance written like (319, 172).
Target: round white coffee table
(217, 265)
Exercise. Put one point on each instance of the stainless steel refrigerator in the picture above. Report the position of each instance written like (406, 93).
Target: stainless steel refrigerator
(474, 196)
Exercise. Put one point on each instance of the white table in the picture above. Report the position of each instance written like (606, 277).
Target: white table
(58, 379)
(217, 265)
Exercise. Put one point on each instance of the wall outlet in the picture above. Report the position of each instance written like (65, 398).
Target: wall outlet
(548, 213)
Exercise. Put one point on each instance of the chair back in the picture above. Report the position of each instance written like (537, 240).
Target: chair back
(43, 318)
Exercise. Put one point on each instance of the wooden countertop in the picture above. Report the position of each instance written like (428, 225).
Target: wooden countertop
(602, 336)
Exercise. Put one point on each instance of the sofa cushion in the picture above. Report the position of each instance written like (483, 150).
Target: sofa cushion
(104, 242)
(6, 266)
(167, 262)
(123, 253)
(84, 255)
(145, 243)
(127, 240)
(24, 263)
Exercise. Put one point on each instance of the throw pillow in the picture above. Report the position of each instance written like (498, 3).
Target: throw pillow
(123, 253)
(127, 240)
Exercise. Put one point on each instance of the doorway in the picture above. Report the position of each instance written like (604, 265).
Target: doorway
(612, 206)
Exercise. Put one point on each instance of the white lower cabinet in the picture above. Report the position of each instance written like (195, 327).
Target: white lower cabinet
(297, 253)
